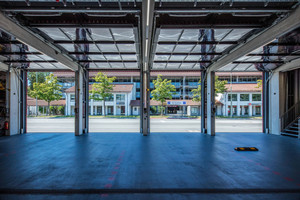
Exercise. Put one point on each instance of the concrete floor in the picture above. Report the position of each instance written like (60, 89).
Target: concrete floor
(159, 166)
(132, 125)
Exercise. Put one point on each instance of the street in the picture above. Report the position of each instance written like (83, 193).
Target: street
(132, 125)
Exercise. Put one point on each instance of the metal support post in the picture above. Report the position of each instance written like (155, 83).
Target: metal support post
(298, 128)
(203, 102)
(7, 100)
(86, 101)
(146, 103)
(23, 100)
(81, 101)
(265, 91)
(16, 106)
(141, 99)
(211, 109)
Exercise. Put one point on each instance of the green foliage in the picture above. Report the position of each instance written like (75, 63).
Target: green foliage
(163, 89)
(220, 87)
(161, 109)
(40, 76)
(259, 84)
(57, 110)
(48, 91)
(197, 93)
(61, 110)
(153, 109)
(101, 90)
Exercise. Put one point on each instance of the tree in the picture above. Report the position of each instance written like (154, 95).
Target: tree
(102, 88)
(48, 91)
(259, 84)
(34, 77)
(163, 90)
(220, 87)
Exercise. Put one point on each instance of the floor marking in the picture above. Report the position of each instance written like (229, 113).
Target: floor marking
(274, 172)
(277, 173)
(288, 179)
(114, 172)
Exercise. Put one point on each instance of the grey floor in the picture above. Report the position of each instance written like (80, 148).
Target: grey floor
(159, 166)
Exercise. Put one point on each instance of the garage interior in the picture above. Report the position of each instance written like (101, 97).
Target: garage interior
(198, 36)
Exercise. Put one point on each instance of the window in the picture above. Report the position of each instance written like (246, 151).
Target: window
(228, 79)
(135, 109)
(120, 97)
(72, 97)
(110, 98)
(234, 97)
(244, 97)
(248, 79)
(97, 97)
(256, 97)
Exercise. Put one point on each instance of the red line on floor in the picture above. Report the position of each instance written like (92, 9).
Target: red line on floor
(277, 173)
(112, 178)
(108, 185)
(288, 179)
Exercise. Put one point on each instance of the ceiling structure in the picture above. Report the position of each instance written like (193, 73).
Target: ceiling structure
(185, 34)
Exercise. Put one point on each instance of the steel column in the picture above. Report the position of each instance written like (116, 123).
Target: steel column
(266, 100)
(141, 99)
(16, 106)
(23, 100)
(81, 101)
(86, 101)
(211, 103)
(146, 36)
(146, 103)
(203, 102)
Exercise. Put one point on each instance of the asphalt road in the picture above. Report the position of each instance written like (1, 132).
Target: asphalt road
(132, 125)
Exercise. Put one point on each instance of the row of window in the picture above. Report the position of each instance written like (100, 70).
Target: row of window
(244, 97)
(119, 97)
(240, 79)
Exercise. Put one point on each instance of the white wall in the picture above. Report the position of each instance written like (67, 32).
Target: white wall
(238, 103)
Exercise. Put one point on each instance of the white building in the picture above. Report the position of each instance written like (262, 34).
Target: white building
(246, 101)
(242, 100)
(118, 104)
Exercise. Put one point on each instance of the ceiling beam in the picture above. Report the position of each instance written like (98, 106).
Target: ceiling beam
(288, 24)
(41, 45)
(80, 61)
(294, 64)
(3, 67)
(157, 53)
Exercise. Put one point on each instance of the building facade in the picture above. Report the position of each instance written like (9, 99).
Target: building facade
(245, 101)
(117, 104)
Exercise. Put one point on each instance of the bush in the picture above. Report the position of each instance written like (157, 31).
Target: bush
(61, 110)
